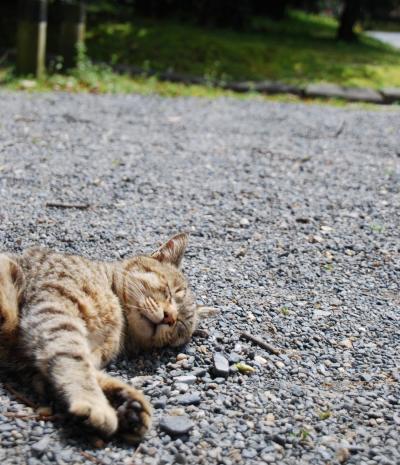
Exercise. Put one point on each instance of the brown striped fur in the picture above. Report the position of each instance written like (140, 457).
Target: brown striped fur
(72, 316)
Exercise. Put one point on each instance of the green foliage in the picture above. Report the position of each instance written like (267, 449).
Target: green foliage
(284, 311)
(377, 228)
(299, 49)
(324, 415)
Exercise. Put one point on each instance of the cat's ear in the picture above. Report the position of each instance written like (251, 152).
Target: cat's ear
(17, 274)
(172, 251)
(206, 312)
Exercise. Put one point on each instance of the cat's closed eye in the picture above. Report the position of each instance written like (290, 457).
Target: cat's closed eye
(180, 292)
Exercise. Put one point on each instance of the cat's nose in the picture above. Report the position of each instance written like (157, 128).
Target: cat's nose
(169, 318)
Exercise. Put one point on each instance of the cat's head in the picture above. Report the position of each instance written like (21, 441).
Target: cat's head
(160, 307)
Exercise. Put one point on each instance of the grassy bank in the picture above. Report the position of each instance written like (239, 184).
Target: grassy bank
(300, 49)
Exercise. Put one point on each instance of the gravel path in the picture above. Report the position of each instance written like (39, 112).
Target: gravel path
(390, 38)
(294, 215)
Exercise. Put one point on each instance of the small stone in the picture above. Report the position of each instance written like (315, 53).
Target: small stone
(279, 364)
(166, 459)
(177, 412)
(199, 372)
(180, 459)
(159, 403)
(315, 239)
(241, 252)
(260, 360)
(176, 425)
(346, 343)
(182, 387)
(66, 455)
(186, 379)
(139, 381)
(234, 358)
(244, 222)
(220, 365)
(40, 447)
(320, 314)
(238, 348)
(181, 357)
(270, 419)
(152, 451)
(5, 427)
(249, 453)
(189, 399)
(342, 454)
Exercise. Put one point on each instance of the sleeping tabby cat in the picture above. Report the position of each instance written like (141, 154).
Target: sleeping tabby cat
(72, 316)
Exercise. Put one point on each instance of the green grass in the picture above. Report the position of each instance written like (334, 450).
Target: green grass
(100, 79)
(300, 49)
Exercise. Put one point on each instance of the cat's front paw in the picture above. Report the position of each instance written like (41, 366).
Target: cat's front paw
(152, 311)
(97, 413)
(134, 413)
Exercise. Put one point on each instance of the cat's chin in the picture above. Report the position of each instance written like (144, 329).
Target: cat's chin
(162, 335)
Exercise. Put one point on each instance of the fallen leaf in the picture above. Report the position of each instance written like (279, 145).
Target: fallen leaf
(244, 368)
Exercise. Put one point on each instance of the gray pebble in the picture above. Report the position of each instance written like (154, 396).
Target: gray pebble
(220, 365)
(176, 425)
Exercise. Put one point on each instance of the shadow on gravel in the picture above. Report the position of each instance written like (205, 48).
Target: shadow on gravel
(46, 407)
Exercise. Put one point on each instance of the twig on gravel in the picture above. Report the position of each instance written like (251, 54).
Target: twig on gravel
(5, 146)
(260, 342)
(138, 449)
(92, 458)
(20, 396)
(31, 416)
(83, 206)
(339, 130)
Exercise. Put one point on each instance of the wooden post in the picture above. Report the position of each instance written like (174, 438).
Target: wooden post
(72, 31)
(31, 37)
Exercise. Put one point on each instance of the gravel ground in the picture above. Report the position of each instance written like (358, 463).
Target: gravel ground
(294, 218)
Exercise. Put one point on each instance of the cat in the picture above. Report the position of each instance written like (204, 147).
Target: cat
(71, 316)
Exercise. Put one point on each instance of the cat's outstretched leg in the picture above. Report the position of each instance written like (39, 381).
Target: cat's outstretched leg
(133, 410)
(59, 344)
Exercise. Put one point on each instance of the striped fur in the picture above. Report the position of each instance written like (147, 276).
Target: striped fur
(76, 315)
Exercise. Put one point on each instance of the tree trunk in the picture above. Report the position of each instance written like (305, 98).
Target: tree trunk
(72, 32)
(348, 18)
(275, 9)
(31, 37)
